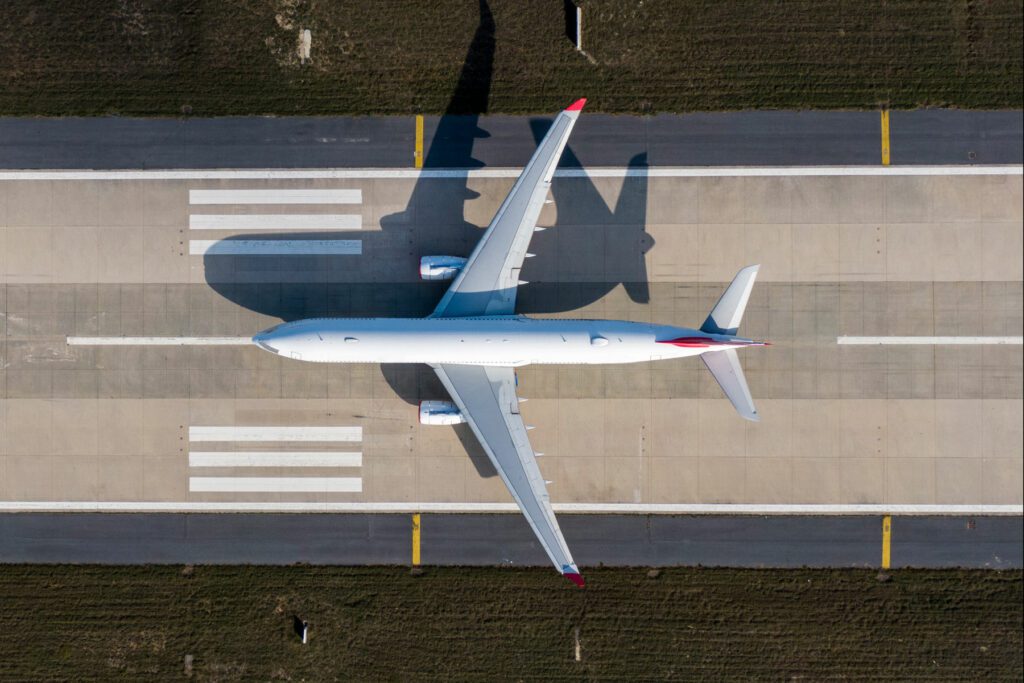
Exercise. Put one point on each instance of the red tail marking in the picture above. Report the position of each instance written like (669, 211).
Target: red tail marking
(689, 342)
(704, 342)
(577, 105)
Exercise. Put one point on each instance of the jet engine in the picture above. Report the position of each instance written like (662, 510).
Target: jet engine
(440, 413)
(440, 267)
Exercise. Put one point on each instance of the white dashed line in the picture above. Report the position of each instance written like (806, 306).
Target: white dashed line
(939, 341)
(159, 341)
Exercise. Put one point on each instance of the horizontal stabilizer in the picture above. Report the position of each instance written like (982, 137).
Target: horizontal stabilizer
(725, 366)
(726, 315)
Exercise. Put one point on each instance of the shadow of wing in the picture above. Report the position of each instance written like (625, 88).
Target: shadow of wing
(591, 248)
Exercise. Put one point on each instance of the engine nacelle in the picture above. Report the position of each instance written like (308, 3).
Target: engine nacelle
(440, 267)
(440, 413)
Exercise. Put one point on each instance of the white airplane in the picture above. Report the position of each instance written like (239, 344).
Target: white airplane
(474, 341)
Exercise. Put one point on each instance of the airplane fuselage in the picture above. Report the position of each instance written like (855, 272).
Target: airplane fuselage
(488, 340)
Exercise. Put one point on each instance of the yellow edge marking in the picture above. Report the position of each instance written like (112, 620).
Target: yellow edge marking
(886, 540)
(418, 155)
(885, 137)
(416, 539)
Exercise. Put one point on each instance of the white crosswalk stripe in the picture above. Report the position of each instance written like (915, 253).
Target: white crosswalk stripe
(275, 196)
(275, 484)
(274, 459)
(275, 247)
(319, 222)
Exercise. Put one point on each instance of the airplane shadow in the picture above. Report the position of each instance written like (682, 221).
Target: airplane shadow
(296, 287)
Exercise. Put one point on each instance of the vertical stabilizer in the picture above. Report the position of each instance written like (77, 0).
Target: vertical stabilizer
(726, 315)
(725, 366)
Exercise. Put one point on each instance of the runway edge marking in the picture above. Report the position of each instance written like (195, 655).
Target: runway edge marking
(460, 173)
(496, 508)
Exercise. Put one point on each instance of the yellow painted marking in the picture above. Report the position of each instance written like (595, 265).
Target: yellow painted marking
(416, 539)
(886, 541)
(418, 155)
(885, 137)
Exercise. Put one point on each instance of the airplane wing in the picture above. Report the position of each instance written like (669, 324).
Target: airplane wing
(487, 284)
(487, 398)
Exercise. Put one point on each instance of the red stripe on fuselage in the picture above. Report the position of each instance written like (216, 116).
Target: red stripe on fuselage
(699, 342)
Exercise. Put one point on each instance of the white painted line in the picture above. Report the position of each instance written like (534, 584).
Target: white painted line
(390, 173)
(275, 196)
(246, 341)
(249, 433)
(273, 221)
(489, 508)
(906, 341)
(275, 247)
(159, 341)
(274, 459)
(275, 484)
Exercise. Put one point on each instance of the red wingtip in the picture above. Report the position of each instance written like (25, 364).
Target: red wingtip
(575, 578)
(577, 105)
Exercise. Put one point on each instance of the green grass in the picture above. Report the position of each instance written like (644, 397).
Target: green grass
(139, 623)
(217, 57)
